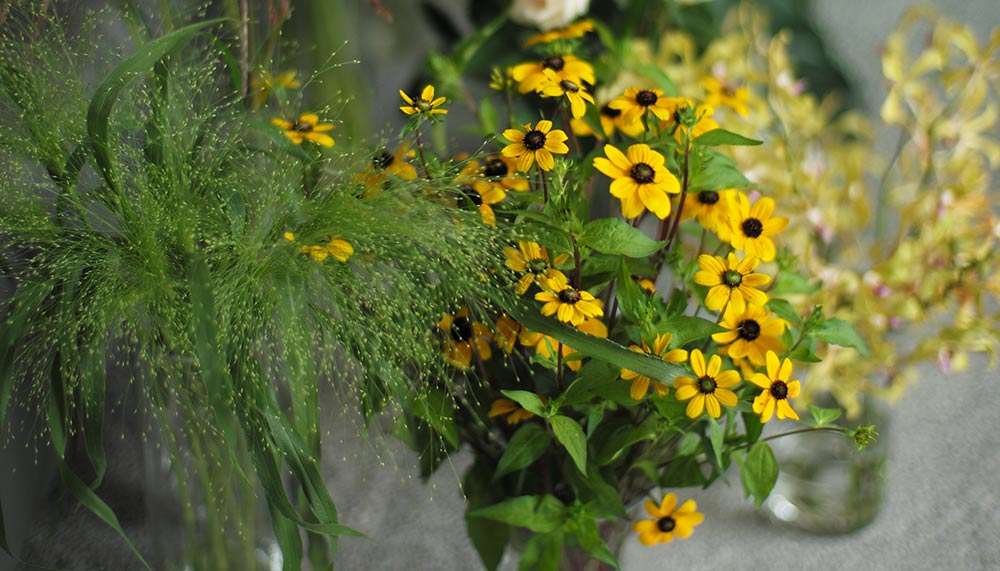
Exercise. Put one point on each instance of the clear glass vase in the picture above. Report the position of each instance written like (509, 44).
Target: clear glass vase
(825, 485)
(204, 506)
(573, 558)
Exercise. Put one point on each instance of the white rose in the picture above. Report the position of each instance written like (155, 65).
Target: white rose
(547, 14)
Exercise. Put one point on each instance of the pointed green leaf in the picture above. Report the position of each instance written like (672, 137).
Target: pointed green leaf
(759, 472)
(529, 401)
(839, 332)
(823, 416)
(538, 513)
(717, 137)
(527, 445)
(615, 236)
(570, 435)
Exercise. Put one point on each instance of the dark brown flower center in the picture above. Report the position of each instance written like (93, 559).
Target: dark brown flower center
(666, 524)
(708, 197)
(706, 385)
(779, 390)
(461, 329)
(609, 112)
(749, 329)
(534, 140)
(495, 167)
(732, 278)
(569, 295)
(555, 63)
(752, 227)
(568, 86)
(642, 173)
(302, 127)
(470, 193)
(383, 160)
(646, 98)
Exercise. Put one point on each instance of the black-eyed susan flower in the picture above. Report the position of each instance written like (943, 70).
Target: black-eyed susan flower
(426, 104)
(637, 101)
(514, 412)
(639, 179)
(536, 143)
(340, 249)
(751, 334)
(575, 93)
(568, 304)
(751, 227)
(719, 93)
(533, 262)
(710, 391)
(306, 128)
(481, 193)
(778, 388)
(710, 208)
(645, 284)
(464, 338)
(385, 164)
(641, 383)
(501, 171)
(506, 332)
(265, 83)
(668, 521)
(529, 75)
(611, 122)
(546, 346)
(570, 32)
(731, 281)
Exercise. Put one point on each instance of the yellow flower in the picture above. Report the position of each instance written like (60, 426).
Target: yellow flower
(426, 104)
(265, 82)
(751, 228)
(730, 281)
(501, 172)
(289, 236)
(530, 75)
(545, 345)
(710, 208)
(533, 261)
(318, 253)
(340, 249)
(637, 101)
(306, 128)
(645, 284)
(481, 193)
(506, 332)
(668, 522)
(384, 165)
(710, 389)
(514, 411)
(777, 389)
(554, 86)
(640, 179)
(535, 143)
(569, 304)
(611, 121)
(572, 31)
(752, 333)
(703, 121)
(720, 93)
(640, 383)
(463, 338)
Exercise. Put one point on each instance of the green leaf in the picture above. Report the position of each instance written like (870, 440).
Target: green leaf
(584, 529)
(538, 513)
(614, 236)
(631, 299)
(717, 137)
(101, 104)
(543, 552)
(489, 120)
(529, 401)
(603, 498)
(622, 439)
(91, 501)
(591, 378)
(823, 416)
(682, 472)
(716, 438)
(436, 407)
(570, 435)
(489, 537)
(840, 332)
(596, 347)
(783, 309)
(787, 282)
(759, 472)
(686, 328)
(661, 79)
(526, 446)
(717, 172)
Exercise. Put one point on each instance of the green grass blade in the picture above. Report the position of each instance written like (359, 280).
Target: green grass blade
(25, 304)
(91, 501)
(103, 101)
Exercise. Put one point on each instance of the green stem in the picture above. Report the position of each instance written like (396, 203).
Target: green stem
(838, 429)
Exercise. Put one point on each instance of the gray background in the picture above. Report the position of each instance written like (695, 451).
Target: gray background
(943, 502)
